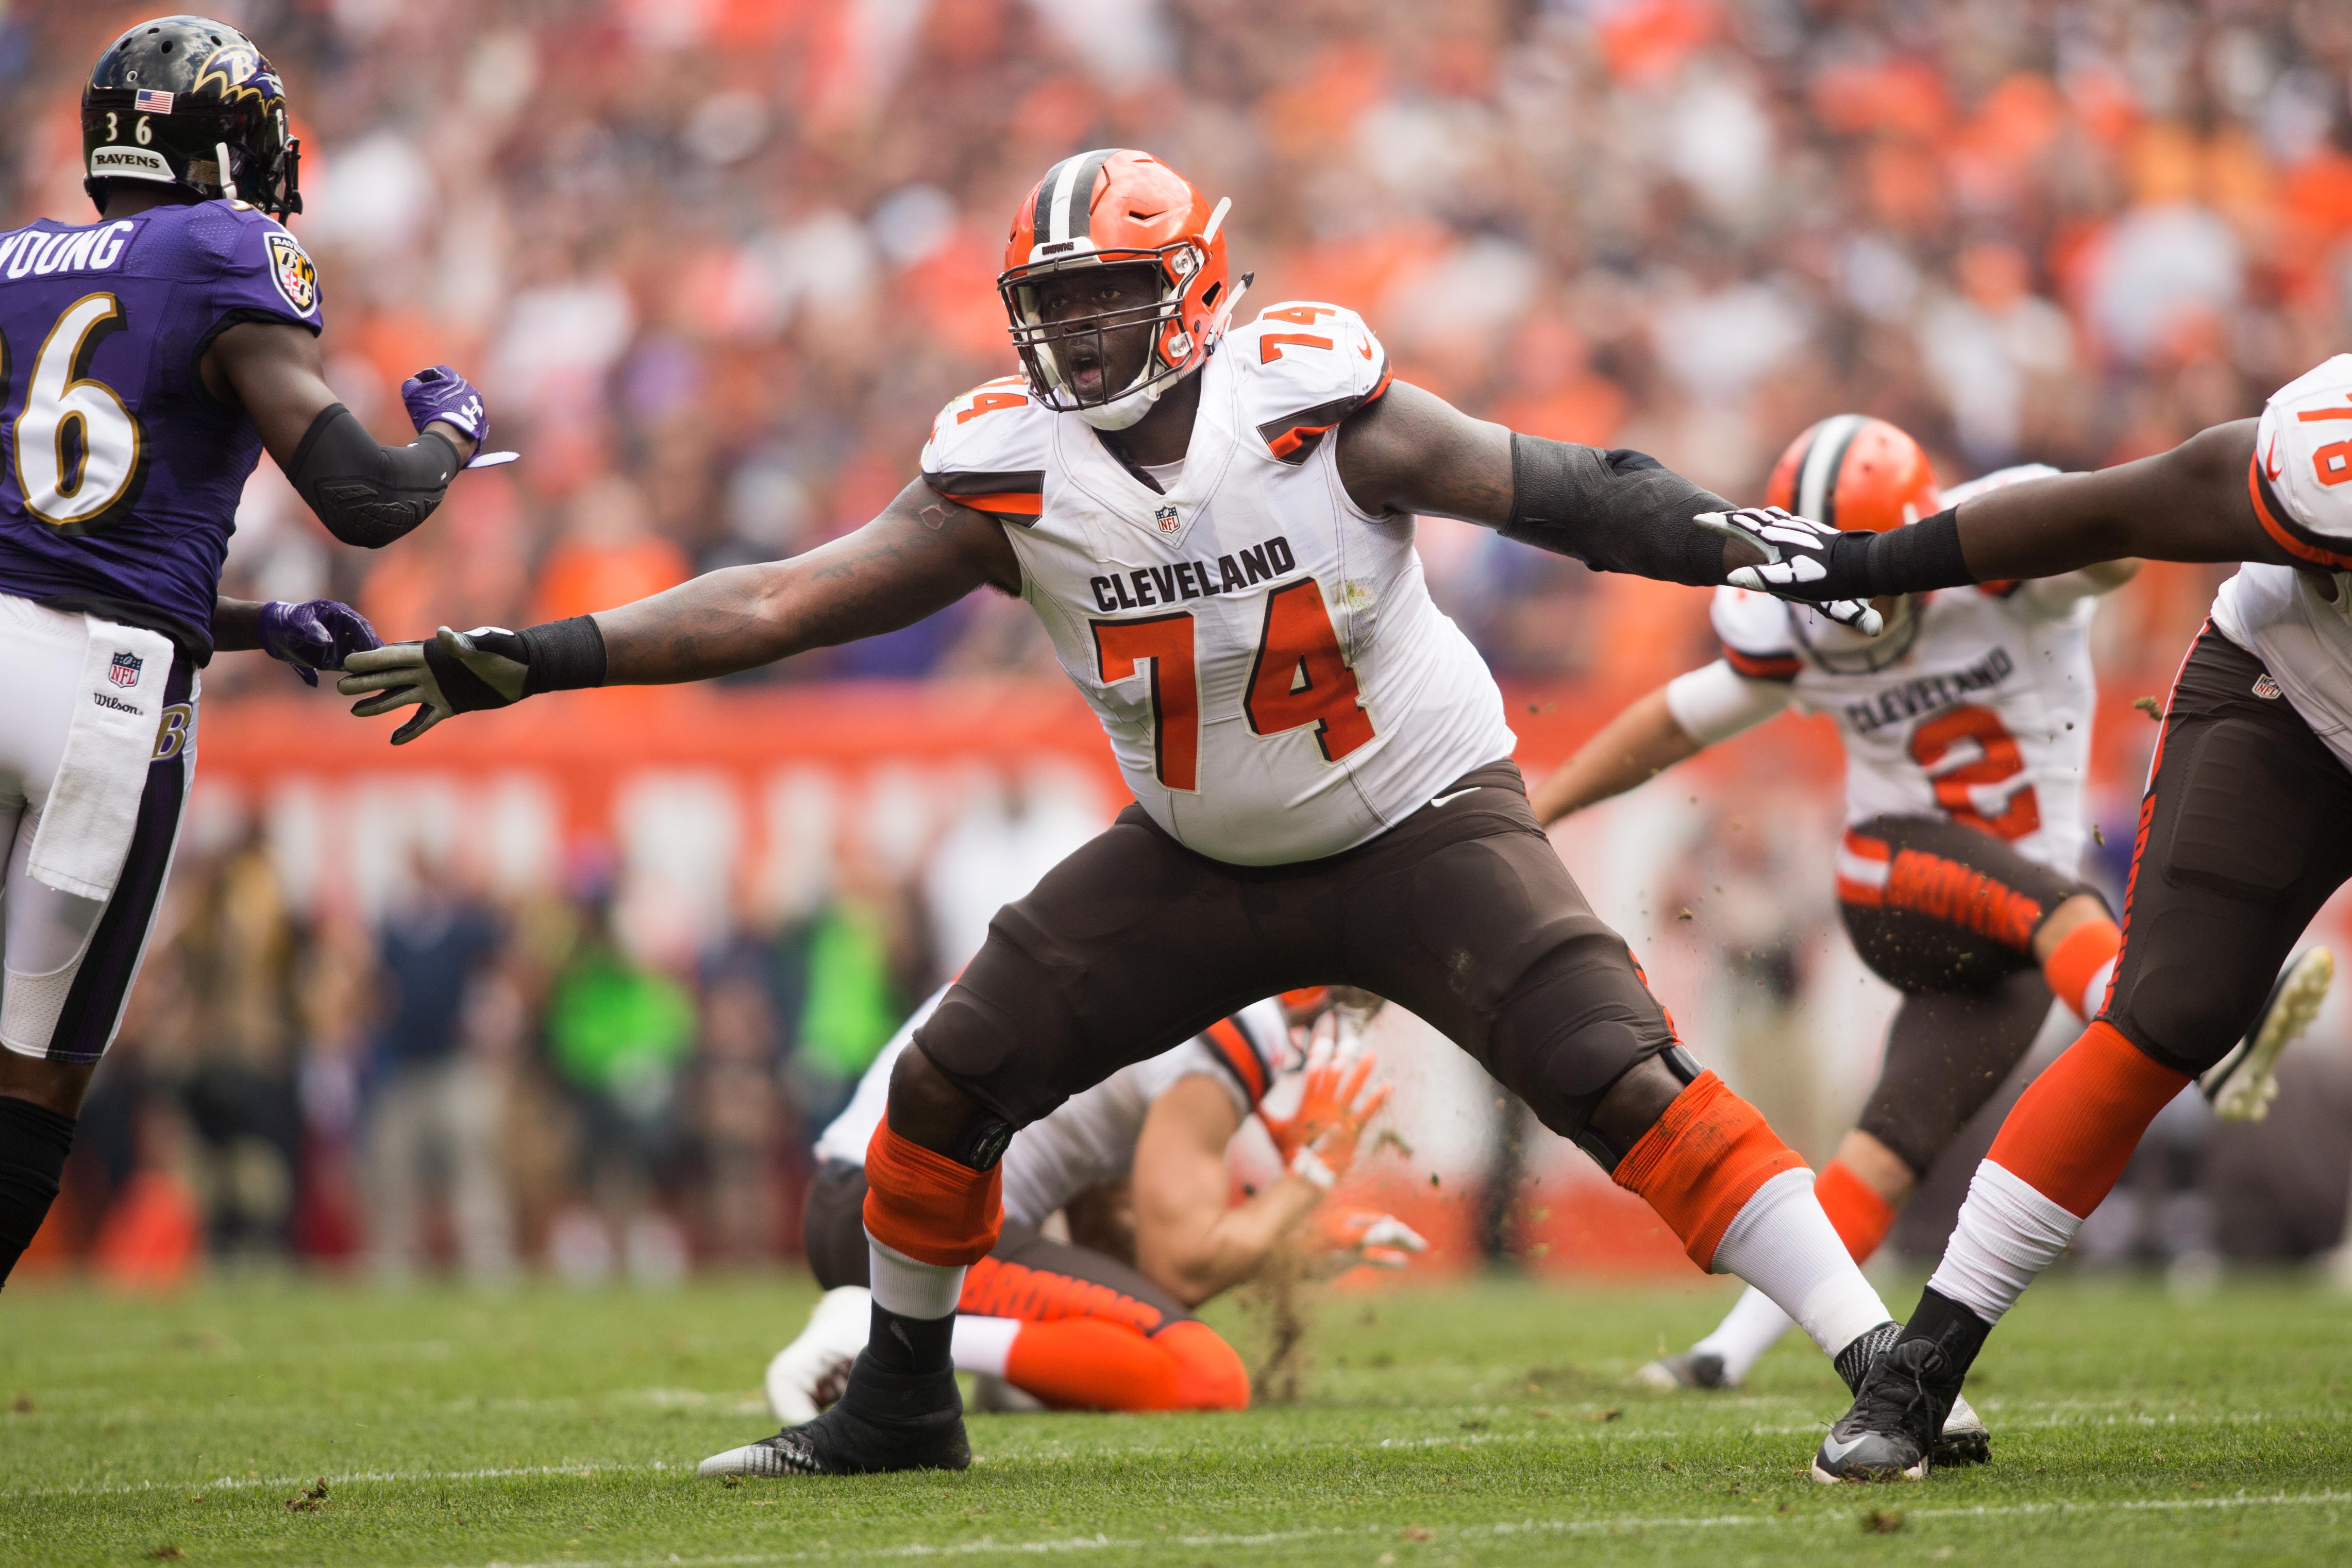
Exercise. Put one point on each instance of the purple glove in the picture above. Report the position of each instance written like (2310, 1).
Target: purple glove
(316, 635)
(441, 394)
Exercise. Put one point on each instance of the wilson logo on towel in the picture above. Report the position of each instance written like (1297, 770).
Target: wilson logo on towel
(124, 672)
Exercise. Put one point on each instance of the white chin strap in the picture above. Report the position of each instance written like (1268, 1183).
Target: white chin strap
(1129, 406)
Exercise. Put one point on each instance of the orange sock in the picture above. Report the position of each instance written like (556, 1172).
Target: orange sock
(2078, 965)
(1859, 1215)
(1702, 1161)
(1209, 1371)
(1090, 1363)
(2074, 1130)
(927, 1207)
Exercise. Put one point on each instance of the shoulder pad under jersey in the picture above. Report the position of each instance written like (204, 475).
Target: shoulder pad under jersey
(2301, 479)
(1754, 630)
(987, 451)
(264, 270)
(1301, 368)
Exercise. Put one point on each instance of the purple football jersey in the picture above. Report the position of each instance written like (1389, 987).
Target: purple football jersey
(121, 487)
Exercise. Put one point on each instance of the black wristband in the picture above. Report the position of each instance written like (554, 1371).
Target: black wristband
(564, 655)
(1915, 559)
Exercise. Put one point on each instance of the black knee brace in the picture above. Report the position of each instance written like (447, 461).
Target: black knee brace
(1607, 1154)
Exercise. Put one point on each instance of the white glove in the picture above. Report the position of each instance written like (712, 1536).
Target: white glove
(1361, 1236)
(1796, 556)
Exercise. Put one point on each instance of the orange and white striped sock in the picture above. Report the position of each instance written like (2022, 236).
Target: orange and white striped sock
(2059, 1153)
(928, 1217)
(1742, 1201)
(1756, 1322)
(2079, 967)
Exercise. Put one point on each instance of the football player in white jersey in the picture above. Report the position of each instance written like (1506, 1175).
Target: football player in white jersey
(1104, 1320)
(1967, 728)
(1215, 523)
(2245, 831)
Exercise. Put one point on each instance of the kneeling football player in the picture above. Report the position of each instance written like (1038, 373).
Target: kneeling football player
(1108, 1326)
(2243, 833)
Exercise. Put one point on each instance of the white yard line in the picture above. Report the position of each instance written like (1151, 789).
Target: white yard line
(1569, 1430)
(1622, 1523)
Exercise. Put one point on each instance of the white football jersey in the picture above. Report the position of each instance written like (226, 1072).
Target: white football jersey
(1090, 1138)
(1274, 680)
(2302, 488)
(1984, 717)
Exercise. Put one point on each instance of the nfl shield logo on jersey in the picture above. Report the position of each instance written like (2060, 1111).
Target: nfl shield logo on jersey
(1166, 518)
(124, 672)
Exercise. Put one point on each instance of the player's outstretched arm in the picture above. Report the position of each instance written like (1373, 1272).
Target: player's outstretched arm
(1615, 510)
(1412, 451)
(1631, 749)
(920, 555)
(1187, 1238)
(366, 493)
(2188, 503)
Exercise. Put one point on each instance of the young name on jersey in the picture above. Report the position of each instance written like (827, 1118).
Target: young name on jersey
(126, 472)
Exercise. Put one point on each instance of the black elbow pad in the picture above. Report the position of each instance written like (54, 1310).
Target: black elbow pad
(368, 493)
(1618, 511)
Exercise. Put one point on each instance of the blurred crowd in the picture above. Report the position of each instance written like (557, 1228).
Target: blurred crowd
(717, 263)
(472, 1083)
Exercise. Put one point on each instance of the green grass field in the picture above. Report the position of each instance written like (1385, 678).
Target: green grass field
(1474, 1423)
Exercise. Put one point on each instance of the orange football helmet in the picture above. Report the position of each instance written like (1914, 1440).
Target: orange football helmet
(1118, 207)
(1851, 471)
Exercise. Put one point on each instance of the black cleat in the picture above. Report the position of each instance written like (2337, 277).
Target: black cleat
(884, 1421)
(1891, 1430)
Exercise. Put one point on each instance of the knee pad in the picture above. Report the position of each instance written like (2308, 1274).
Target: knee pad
(1004, 1035)
(1580, 1019)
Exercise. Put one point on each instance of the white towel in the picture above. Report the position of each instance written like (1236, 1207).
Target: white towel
(93, 805)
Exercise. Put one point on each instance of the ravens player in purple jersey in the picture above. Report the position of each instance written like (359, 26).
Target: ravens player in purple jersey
(145, 361)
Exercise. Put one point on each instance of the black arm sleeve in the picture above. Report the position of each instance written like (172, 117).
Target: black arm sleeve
(1615, 511)
(369, 495)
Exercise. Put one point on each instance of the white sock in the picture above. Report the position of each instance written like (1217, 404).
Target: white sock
(911, 1289)
(1782, 1243)
(1749, 1330)
(984, 1345)
(2086, 1006)
(2008, 1233)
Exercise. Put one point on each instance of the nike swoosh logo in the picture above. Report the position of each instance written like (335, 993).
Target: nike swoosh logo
(1834, 1451)
(1441, 799)
(2271, 470)
(1365, 350)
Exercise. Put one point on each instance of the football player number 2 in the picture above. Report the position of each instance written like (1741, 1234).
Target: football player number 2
(1969, 756)
(76, 448)
(1299, 679)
